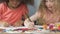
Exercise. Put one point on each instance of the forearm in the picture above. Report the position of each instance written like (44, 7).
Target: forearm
(35, 16)
(32, 18)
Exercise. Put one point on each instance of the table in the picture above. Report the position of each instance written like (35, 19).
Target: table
(31, 33)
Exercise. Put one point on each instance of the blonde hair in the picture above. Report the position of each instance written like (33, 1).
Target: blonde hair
(43, 7)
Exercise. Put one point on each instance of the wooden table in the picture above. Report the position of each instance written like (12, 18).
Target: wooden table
(26, 33)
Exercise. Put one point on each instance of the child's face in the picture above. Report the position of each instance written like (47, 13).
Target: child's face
(14, 3)
(49, 4)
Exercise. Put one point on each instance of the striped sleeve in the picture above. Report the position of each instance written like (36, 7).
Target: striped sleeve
(1, 10)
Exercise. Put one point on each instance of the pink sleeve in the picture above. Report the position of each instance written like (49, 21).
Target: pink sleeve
(1, 6)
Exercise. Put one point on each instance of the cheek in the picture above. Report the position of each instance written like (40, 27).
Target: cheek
(46, 4)
(52, 4)
(49, 4)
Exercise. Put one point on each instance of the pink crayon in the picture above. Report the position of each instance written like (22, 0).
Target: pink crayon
(51, 26)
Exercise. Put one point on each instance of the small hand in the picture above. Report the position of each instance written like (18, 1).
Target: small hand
(29, 24)
(3, 24)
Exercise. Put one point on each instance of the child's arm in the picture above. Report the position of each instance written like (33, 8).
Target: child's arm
(31, 20)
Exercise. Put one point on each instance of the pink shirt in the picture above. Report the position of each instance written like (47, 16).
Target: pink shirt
(12, 15)
(46, 17)
(51, 18)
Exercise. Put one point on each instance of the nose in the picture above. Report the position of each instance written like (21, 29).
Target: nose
(49, 4)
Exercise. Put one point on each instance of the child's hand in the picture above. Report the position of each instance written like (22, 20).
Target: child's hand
(3, 24)
(17, 24)
(29, 24)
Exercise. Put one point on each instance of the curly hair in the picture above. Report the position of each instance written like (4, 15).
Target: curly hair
(44, 7)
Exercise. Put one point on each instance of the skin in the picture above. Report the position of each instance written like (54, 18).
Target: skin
(50, 4)
(14, 3)
(50, 7)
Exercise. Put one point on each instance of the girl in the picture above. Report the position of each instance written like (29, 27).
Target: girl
(49, 12)
(12, 11)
